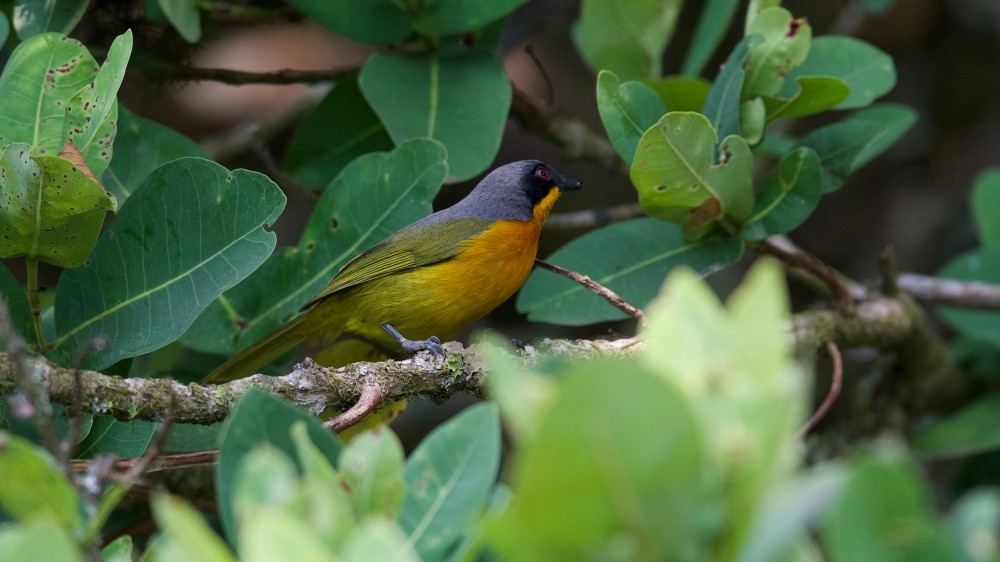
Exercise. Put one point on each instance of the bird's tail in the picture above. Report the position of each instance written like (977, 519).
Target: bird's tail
(272, 346)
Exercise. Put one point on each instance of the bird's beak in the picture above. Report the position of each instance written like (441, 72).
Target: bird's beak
(567, 184)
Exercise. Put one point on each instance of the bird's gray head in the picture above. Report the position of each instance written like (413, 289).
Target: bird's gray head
(511, 191)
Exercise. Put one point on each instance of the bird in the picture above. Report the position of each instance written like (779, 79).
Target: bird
(426, 281)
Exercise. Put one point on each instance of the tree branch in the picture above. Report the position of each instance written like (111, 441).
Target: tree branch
(896, 325)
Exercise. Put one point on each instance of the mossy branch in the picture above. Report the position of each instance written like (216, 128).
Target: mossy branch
(892, 324)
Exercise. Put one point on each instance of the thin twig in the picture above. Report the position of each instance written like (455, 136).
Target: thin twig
(162, 462)
(591, 218)
(831, 396)
(889, 272)
(815, 266)
(967, 294)
(182, 73)
(369, 401)
(595, 287)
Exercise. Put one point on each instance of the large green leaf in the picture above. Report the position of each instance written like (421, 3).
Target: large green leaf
(788, 198)
(627, 110)
(980, 265)
(123, 440)
(785, 46)
(971, 430)
(722, 106)
(985, 202)
(33, 487)
(460, 99)
(15, 297)
(680, 93)
(714, 21)
(50, 209)
(371, 466)
(184, 16)
(32, 17)
(600, 479)
(376, 195)
(631, 258)
(140, 147)
(627, 38)
(4, 28)
(368, 21)
(845, 146)
(341, 128)
(679, 178)
(41, 77)
(814, 95)
(867, 71)
(379, 539)
(190, 232)
(448, 479)
(449, 17)
(884, 515)
(92, 114)
(39, 539)
(260, 418)
(185, 535)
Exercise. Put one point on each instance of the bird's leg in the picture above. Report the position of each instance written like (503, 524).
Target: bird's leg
(432, 344)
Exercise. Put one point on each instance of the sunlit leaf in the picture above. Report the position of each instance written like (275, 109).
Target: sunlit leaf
(627, 38)
(627, 110)
(785, 46)
(868, 71)
(33, 488)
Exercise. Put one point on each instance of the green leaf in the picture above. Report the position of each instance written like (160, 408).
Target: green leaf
(715, 19)
(16, 299)
(118, 550)
(140, 147)
(38, 539)
(344, 223)
(460, 99)
(884, 514)
(190, 232)
(189, 437)
(123, 440)
(627, 110)
(32, 17)
(260, 418)
(975, 519)
(815, 94)
(788, 198)
(50, 210)
(92, 114)
(896, 119)
(266, 480)
(752, 120)
(450, 17)
(371, 467)
(867, 71)
(969, 431)
(985, 202)
(322, 500)
(278, 535)
(627, 38)
(590, 481)
(722, 106)
(43, 74)
(4, 29)
(378, 539)
(786, 45)
(448, 479)
(33, 488)
(980, 265)
(877, 6)
(371, 21)
(184, 16)
(186, 536)
(679, 179)
(845, 146)
(680, 93)
(341, 128)
(630, 258)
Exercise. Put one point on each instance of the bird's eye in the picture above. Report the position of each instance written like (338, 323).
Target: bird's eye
(541, 173)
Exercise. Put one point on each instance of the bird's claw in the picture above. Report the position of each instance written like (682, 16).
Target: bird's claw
(432, 344)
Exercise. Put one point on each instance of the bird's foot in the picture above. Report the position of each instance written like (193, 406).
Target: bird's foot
(432, 344)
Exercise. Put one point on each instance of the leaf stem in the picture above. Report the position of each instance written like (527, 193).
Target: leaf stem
(36, 305)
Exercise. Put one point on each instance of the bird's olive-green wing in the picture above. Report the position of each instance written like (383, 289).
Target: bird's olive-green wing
(417, 245)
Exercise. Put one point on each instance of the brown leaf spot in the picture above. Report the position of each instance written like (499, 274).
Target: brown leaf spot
(72, 153)
(705, 213)
(793, 27)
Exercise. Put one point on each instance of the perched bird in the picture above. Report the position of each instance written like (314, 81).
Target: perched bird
(428, 280)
